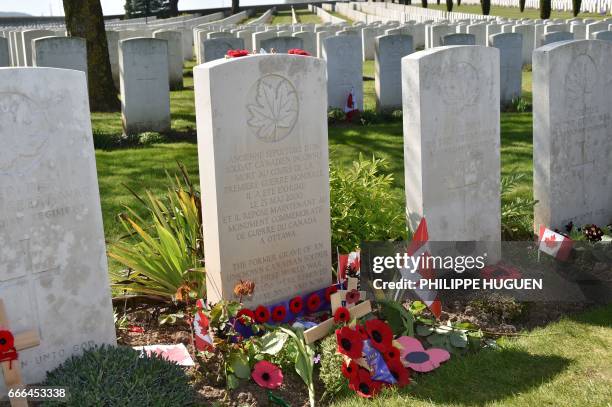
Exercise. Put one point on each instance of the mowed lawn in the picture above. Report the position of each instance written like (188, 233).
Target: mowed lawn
(509, 12)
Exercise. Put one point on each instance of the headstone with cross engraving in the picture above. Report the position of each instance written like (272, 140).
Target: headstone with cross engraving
(572, 124)
(53, 270)
(145, 90)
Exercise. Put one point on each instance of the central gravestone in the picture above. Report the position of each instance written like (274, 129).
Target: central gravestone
(53, 269)
(264, 173)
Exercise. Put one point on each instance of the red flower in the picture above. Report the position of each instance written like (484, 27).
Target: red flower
(267, 375)
(349, 342)
(343, 315)
(352, 296)
(245, 316)
(279, 313)
(296, 305)
(349, 370)
(313, 303)
(262, 314)
(236, 53)
(363, 384)
(297, 51)
(332, 289)
(136, 329)
(362, 331)
(392, 354)
(380, 334)
(399, 372)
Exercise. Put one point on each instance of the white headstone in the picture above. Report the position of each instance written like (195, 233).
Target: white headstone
(602, 35)
(112, 41)
(5, 59)
(60, 52)
(26, 44)
(479, 31)
(452, 142)
(344, 70)
(510, 47)
(53, 267)
(458, 39)
(572, 122)
(390, 49)
(265, 185)
(309, 41)
(556, 37)
(528, 33)
(175, 56)
(282, 44)
(217, 48)
(145, 92)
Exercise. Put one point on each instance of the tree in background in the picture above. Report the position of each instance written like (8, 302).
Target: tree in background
(545, 9)
(486, 7)
(84, 19)
(576, 4)
(235, 6)
(424, 3)
(148, 8)
(458, 2)
(522, 5)
(438, 2)
(449, 5)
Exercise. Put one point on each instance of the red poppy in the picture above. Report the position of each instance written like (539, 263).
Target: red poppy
(349, 342)
(235, 53)
(350, 369)
(245, 316)
(362, 331)
(332, 289)
(399, 372)
(136, 329)
(262, 314)
(363, 384)
(380, 334)
(267, 375)
(296, 305)
(392, 354)
(279, 313)
(342, 315)
(313, 302)
(352, 296)
(297, 51)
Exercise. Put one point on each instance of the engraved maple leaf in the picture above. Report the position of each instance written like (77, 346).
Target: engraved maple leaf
(550, 241)
(276, 108)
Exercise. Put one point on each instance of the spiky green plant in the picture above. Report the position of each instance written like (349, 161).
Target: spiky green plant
(516, 212)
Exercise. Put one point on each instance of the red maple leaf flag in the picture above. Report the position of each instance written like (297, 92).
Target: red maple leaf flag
(554, 244)
(419, 248)
(348, 262)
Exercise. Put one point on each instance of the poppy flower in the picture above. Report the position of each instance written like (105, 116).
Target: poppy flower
(362, 331)
(297, 51)
(349, 342)
(279, 313)
(399, 372)
(392, 354)
(245, 316)
(7, 341)
(267, 375)
(236, 53)
(313, 302)
(363, 384)
(352, 296)
(332, 289)
(296, 304)
(380, 333)
(414, 356)
(342, 315)
(350, 369)
(262, 314)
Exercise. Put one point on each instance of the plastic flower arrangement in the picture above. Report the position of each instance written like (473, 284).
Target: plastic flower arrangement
(267, 375)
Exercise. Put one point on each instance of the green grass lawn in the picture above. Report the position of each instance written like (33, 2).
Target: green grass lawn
(509, 12)
(305, 17)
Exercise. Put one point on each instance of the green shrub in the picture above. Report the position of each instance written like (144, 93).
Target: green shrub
(363, 204)
(109, 376)
(165, 254)
(516, 213)
(517, 105)
(335, 115)
(150, 137)
(330, 371)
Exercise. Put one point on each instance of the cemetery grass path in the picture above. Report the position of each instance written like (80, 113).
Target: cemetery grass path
(513, 12)
(566, 363)
(305, 17)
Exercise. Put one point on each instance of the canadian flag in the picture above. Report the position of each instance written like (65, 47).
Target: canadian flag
(419, 248)
(203, 340)
(554, 244)
(348, 263)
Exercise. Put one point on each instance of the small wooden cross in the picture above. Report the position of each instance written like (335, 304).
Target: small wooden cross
(12, 369)
(338, 299)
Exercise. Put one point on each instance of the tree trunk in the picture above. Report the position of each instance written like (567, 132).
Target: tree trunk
(84, 19)
(174, 11)
(235, 6)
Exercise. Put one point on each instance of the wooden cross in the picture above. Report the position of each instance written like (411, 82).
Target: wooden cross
(338, 299)
(12, 369)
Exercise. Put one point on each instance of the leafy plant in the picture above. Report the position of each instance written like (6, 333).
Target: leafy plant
(453, 339)
(304, 361)
(167, 254)
(120, 376)
(400, 319)
(335, 115)
(363, 206)
(150, 137)
(516, 212)
(330, 372)
(518, 105)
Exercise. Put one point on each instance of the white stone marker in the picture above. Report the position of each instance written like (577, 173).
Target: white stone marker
(572, 124)
(26, 44)
(368, 42)
(528, 33)
(217, 48)
(510, 47)
(60, 52)
(344, 70)
(390, 49)
(458, 39)
(479, 31)
(112, 41)
(321, 36)
(602, 35)
(5, 58)
(556, 37)
(309, 41)
(265, 184)
(53, 268)
(452, 142)
(282, 44)
(175, 56)
(145, 92)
